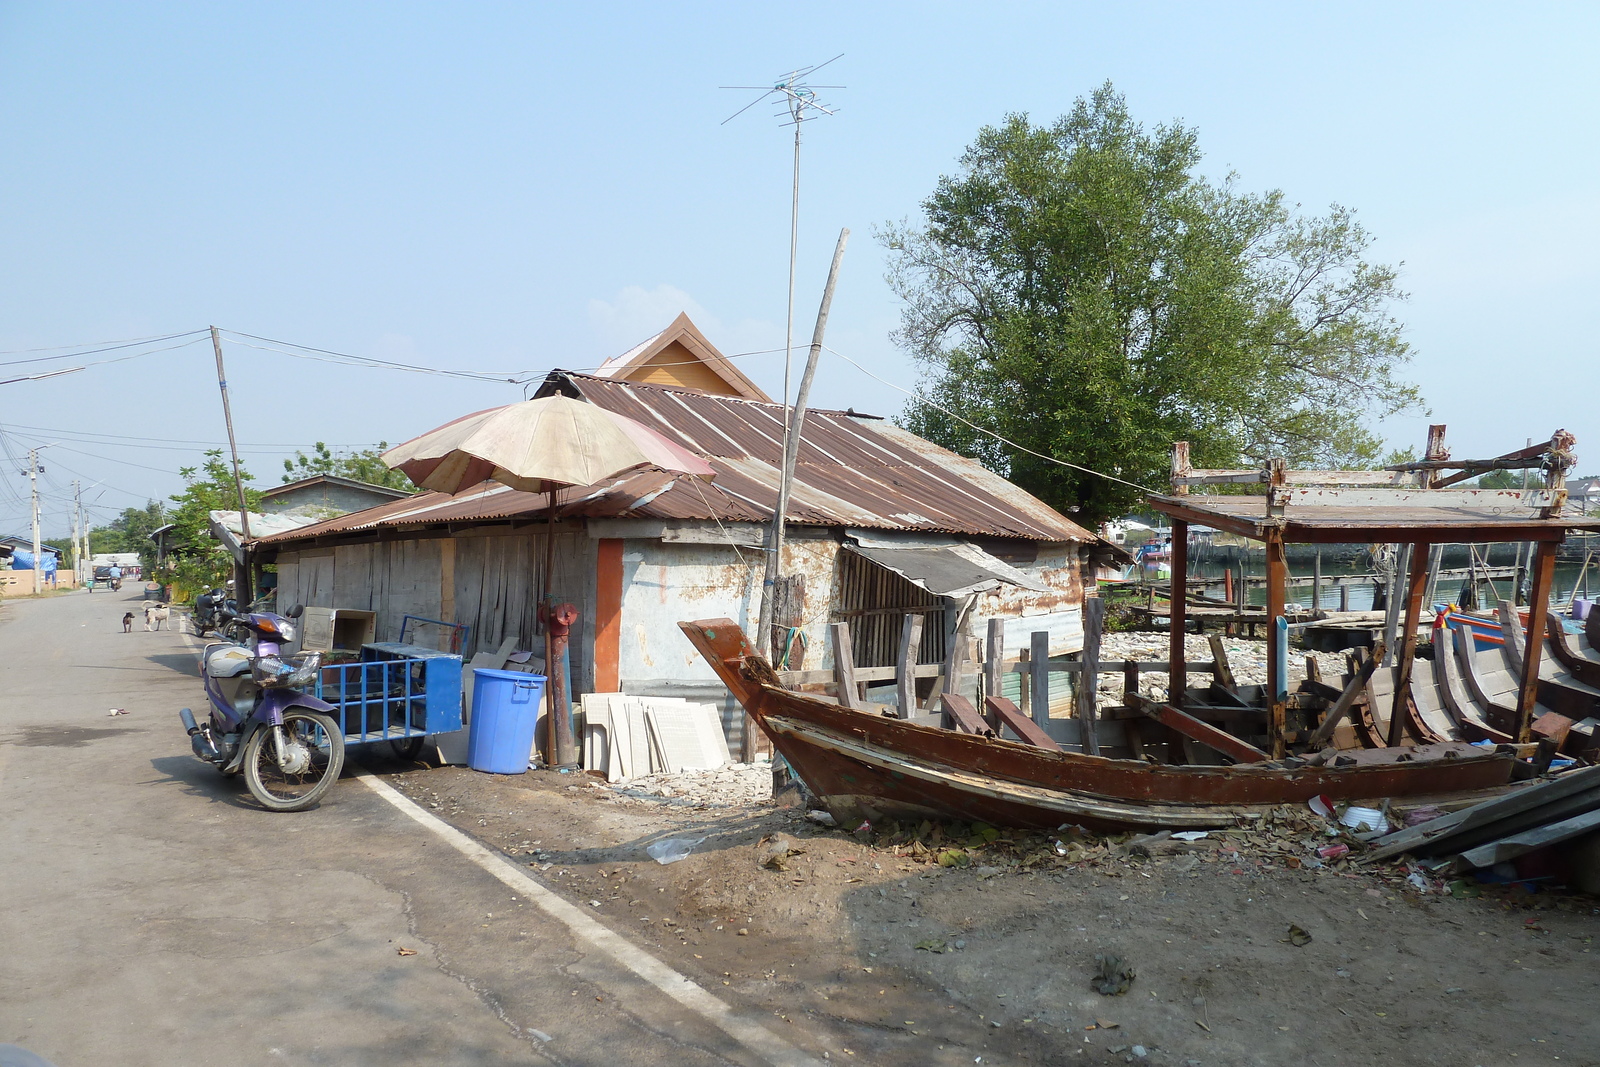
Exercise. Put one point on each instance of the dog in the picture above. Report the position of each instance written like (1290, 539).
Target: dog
(127, 623)
(149, 617)
(162, 613)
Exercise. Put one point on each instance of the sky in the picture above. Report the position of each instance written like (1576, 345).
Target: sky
(514, 188)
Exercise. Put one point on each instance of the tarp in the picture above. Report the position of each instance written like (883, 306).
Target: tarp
(22, 560)
(943, 565)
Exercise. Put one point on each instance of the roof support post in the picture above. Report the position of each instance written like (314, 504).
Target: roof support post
(1544, 569)
(1178, 615)
(1277, 580)
(1416, 589)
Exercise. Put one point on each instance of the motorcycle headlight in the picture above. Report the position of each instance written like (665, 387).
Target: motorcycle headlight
(286, 630)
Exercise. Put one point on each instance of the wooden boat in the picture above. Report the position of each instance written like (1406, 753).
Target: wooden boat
(864, 765)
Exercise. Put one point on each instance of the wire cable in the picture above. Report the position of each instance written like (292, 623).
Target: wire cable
(91, 349)
(985, 430)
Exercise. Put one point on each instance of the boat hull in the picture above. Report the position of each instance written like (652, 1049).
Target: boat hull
(870, 766)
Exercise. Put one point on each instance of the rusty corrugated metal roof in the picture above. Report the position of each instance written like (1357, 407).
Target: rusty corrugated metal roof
(852, 470)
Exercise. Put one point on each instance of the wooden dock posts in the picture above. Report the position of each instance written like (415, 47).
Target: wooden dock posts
(1033, 665)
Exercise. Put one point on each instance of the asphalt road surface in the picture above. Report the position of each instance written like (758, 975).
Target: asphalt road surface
(152, 914)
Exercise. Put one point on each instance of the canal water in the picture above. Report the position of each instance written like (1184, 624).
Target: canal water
(1362, 589)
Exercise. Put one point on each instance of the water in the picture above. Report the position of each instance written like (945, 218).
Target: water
(1361, 592)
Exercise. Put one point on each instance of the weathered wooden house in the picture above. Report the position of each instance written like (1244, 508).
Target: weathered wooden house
(882, 524)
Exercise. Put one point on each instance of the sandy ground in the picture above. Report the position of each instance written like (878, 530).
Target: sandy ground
(990, 960)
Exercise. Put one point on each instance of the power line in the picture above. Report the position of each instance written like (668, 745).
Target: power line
(985, 430)
(91, 349)
(309, 352)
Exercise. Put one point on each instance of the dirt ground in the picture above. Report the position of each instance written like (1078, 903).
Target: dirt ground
(901, 960)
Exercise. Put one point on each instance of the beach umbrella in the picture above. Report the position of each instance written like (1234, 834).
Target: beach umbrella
(538, 446)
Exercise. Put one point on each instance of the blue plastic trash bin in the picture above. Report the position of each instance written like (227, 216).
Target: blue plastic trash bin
(505, 711)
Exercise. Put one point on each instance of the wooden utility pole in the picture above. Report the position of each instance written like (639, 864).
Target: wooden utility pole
(233, 445)
(791, 452)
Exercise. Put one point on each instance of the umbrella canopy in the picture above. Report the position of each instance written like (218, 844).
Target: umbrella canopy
(537, 446)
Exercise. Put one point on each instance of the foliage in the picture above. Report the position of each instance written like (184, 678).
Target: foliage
(1081, 290)
(365, 465)
(196, 561)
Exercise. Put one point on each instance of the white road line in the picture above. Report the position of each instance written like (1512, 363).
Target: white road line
(751, 1035)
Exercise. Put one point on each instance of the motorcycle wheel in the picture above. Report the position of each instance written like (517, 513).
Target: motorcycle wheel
(237, 632)
(314, 751)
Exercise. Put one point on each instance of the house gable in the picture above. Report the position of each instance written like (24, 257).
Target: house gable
(681, 357)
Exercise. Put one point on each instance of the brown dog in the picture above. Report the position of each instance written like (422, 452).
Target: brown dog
(127, 623)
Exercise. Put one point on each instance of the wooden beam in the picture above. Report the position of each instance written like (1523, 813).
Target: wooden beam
(1277, 571)
(1203, 732)
(1544, 569)
(844, 665)
(1177, 615)
(1415, 589)
(905, 678)
(994, 649)
(1039, 678)
(1222, 671)
(1088, 683)
(959, 711)
(1347, 699)
(1004, 713)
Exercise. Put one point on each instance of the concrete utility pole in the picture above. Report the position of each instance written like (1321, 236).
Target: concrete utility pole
(233, 445)
(33, 479)
(77, 530)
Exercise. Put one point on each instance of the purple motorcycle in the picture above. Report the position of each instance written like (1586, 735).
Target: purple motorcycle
(286, 743)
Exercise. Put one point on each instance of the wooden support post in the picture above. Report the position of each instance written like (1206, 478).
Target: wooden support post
(1222, 670)
(1435, 560)
(1277, 577)
(1416, 588)
(1347, 700)
(959, 714)
(1227, 584)
(1094, 613)
(1544, 569)
(994, 654)
(1039, 679)
(844, 665)
(1180, 576)
(1316, 581)
(1399, 564)
(1344, 595)
(905, 678)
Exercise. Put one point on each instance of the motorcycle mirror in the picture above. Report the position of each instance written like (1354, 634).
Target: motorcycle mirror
(296, 611)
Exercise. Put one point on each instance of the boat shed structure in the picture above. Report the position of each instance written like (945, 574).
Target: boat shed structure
(881, 524)
(1409, 504)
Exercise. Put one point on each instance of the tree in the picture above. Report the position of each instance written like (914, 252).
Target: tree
(196, 561)
(365, 465)
(1082, 291)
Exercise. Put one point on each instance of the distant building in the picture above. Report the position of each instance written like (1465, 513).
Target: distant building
(325, 496)
(1583, 495)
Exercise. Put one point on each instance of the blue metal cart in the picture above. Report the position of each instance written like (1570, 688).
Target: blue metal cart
(396, 692)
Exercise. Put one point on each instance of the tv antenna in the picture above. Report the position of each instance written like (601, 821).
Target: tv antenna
(800, 104)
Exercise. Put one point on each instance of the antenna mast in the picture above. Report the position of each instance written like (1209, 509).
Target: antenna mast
(799, 99)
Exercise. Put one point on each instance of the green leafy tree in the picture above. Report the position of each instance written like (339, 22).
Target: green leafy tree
(196, 561)
(1081, 290)
(365, 465)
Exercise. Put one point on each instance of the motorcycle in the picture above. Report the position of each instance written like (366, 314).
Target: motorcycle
(216, 610)
(285, 742)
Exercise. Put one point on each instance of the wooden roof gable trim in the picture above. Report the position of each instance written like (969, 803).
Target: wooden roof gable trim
(685, 332)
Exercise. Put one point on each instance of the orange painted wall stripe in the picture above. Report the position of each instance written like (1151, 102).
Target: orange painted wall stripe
(608, 616)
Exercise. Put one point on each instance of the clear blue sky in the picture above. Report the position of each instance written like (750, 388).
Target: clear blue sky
(522, 187)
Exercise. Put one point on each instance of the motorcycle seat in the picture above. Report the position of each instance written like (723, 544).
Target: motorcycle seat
(228, 661)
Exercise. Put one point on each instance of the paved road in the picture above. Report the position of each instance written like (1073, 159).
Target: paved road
(153, 915)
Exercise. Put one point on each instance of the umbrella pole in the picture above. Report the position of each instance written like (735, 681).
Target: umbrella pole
(562, 752)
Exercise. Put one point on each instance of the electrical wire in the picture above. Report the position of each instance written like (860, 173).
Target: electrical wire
(91, 349)
(347, 359)
(985, 430)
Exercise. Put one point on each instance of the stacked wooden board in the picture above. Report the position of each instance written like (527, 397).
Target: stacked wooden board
(630, 736)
